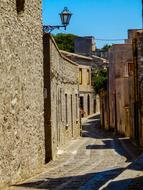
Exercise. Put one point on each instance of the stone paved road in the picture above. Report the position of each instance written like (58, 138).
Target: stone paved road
(86, 163)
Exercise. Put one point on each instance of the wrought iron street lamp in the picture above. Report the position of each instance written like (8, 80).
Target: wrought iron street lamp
(65, 16)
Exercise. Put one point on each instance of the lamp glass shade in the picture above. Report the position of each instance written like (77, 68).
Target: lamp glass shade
(65, 16)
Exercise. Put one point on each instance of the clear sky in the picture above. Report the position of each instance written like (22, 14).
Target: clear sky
(103, 19)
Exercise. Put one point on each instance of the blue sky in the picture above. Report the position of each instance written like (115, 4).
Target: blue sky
(103, 19)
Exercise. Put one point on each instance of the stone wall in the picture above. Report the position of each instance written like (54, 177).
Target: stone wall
(84, 45)
(137, 100)
(80, 59)
(86, 90)
(131, 34)
(120, 58)
(62, 118)
(21, 91)
(111, 89)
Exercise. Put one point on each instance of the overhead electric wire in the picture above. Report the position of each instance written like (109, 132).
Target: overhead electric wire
(109, 39)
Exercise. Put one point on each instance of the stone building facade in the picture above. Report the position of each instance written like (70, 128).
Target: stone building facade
(136, 103)
(89, 103)
(120, 56)
(22, 139)
(62, 121)
(80, 59)
(126, 87)
(131, 34)
(104, 108)
(84, 45)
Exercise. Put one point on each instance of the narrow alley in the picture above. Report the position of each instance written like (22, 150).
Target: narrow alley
(87, 163)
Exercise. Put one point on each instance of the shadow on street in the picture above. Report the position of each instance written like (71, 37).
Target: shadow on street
(122, 145)
(93, 180)
(81, 182)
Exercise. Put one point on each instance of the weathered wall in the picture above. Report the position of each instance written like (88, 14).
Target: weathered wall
(104, 109)
(131, 34)
(80, 59)
(93, 61)
(111, 89)
(137, 133)
(86, 91)
(139, 37)
(84, 45)
(120, 57)
(63, 84)
(21, 91)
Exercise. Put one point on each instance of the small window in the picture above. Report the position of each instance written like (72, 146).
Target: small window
(126, 68)
(88, 77)
(80, 76)
(61, 110)
(20, 5)
(76, 99)
(66, 108)
(130, 68)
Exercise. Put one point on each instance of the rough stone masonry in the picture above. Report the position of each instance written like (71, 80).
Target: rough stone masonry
(61, 102)
(21, 90)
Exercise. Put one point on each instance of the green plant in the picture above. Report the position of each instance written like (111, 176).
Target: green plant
(100, 79)
(65, 41)
(106, 47)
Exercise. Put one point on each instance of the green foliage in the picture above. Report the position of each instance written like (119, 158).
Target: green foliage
(106, 47)
(100, 80)
(65, 41)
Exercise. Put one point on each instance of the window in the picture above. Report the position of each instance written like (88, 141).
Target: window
(82, 106)
(126, 67)
(94, 108)
(20, 5)
(88, 104)
(130, 68)
(76, 99)
(66, 108)
(61, 104)
(80, 76)
(88, 77)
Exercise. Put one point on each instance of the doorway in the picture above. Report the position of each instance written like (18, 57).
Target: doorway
(88, 104)
(72, 116)
(82, 106)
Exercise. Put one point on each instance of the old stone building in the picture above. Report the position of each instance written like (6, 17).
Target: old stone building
(22, 140)
(131, 34)
(89, 103)
(136, 89)
(125, 90)
(62, 121)
(39, 105)
(120, 56)
(84, 45)
(104, 109)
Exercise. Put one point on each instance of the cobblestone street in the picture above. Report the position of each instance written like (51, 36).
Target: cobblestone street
(87, 163)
